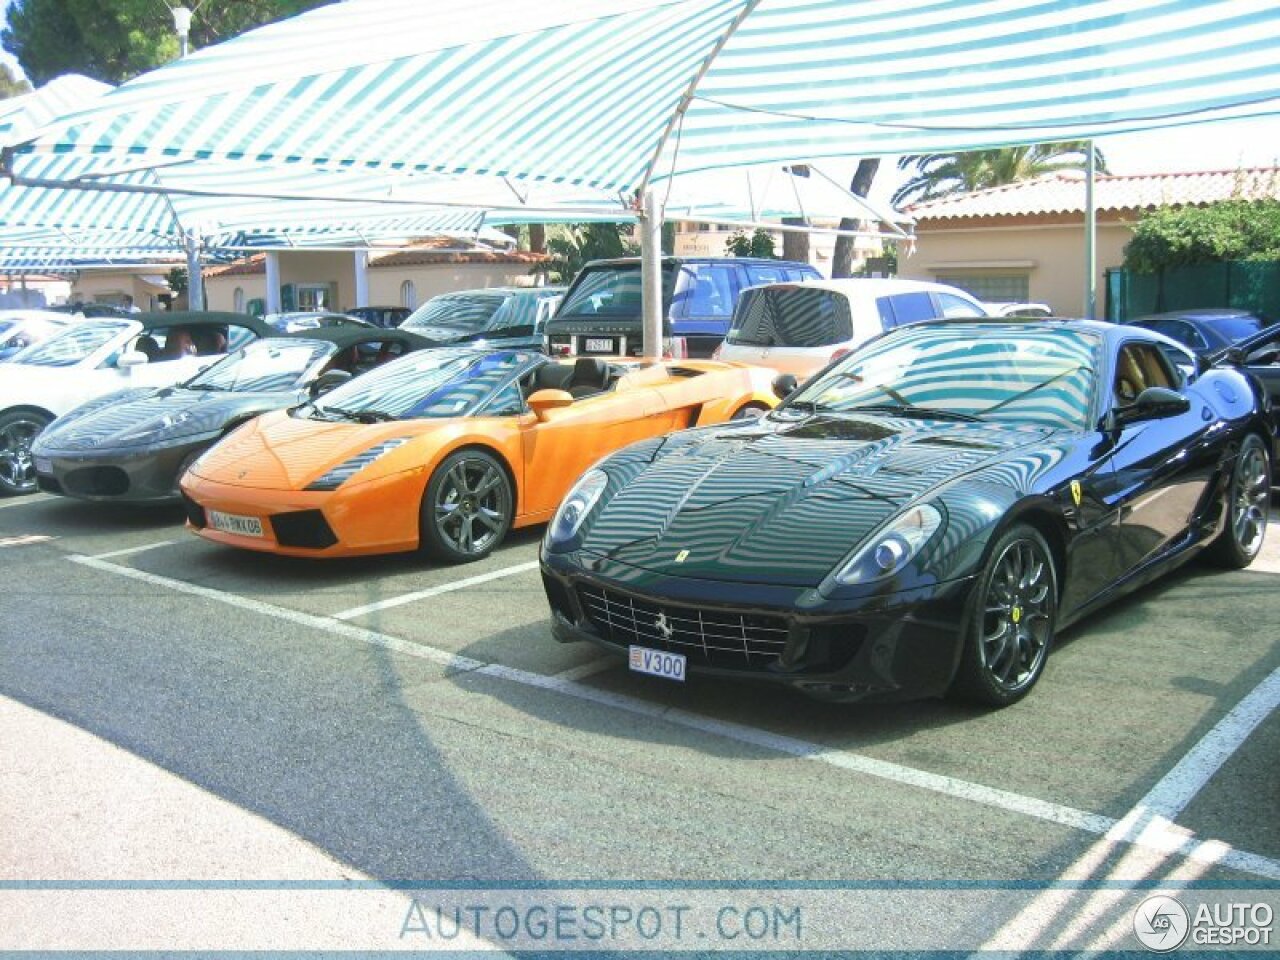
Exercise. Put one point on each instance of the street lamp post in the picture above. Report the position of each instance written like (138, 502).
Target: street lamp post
(182, 24)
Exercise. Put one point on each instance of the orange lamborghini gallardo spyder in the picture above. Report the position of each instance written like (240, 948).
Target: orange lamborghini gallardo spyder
(446, 450)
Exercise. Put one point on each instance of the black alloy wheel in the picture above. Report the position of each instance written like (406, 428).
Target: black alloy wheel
(1010, 627)
(468, 507)
(1248, 498)
(18, 430)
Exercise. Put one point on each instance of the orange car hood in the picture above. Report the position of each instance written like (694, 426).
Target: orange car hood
(280, 452)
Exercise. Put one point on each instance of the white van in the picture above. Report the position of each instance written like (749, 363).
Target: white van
(800, 327)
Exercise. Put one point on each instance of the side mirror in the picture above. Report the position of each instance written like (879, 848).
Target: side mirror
(327, 381)
(1153, 403)
(784, 385)
(132, 358)
(544, 401)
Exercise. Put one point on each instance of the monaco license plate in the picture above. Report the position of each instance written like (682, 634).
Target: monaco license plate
(232, 523)
(657, 663)
(44, 465)
(597, 345)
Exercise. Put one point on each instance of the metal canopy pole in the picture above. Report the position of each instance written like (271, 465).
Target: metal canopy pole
(273, 281)
(195, 278)
(650, 223)
(1090, 238)
(362, 277)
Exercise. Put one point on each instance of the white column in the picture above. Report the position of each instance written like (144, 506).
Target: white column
(650, 222)
(195, 274)
(1090, 238)
(362, 278)
(273, 282)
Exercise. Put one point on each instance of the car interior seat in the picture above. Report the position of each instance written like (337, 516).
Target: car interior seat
(147, 344)
(590, 375)
(1129, 379)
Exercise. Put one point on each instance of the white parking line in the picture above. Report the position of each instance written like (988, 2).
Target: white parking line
(24, 540)
(1184, 843)
(128, 550)
(22, 501)
(435, 591)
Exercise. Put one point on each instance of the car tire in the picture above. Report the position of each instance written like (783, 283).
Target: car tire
(1248, 499)
(467, 509)
(1009, 627)
(18, 428)
(750, 411)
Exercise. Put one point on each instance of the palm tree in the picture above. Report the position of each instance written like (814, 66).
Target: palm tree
(945, 174)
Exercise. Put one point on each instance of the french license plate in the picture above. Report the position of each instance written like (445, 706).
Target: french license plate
(597, 345)
(657, 663)
(44, 465)
(232, 523)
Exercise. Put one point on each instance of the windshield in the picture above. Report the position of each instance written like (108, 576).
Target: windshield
(267, 365)
(431, 383)
(1232, 329)
(790, 316)
(71, 346)
(1045, 378)
(471, 312)
(605, 292)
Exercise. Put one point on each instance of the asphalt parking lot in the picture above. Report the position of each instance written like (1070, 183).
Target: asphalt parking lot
(397, 720)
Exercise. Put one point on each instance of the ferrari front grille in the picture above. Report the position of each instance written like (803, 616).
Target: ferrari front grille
(720, 638)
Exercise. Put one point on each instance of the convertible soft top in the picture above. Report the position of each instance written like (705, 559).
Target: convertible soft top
(200, 318)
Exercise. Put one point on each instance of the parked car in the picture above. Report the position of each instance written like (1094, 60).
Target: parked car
(96, 357)
(298, 320)
(508, 317)
(1204, 331)
(445, 450)
(600, 314)
(21, 328)
(386, 317)
(921, 518)
(134, 446)
(1036, 310)
(801, 327)
(1259, 357)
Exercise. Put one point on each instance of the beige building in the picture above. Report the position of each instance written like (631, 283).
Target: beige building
(708, 240)
(317, 280)
(146, 285)
(1026, 242)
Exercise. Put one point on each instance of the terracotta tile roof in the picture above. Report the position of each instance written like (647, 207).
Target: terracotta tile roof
(427, 253)
(1063, 193)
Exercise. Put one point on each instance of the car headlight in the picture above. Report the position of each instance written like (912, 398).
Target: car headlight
(346, 470)
(577, 506)
(893, 547)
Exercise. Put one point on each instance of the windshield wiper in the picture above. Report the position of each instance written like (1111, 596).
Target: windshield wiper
(911, 410)
(359, 416)
(1039, 386)
(204, 386)
(803, 406)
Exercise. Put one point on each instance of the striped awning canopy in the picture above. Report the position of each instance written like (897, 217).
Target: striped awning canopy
(608, 96)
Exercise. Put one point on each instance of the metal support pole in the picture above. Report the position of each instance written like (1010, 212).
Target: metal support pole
(362, 278)
(1090, 237)
(650, 223)
(273, 282)
(195, 275)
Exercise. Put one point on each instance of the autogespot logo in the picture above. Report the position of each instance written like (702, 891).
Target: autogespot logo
(1161, 923)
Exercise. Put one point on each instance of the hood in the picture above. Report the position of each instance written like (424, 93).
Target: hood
(281, 452)
(785, 499)
(139, 418)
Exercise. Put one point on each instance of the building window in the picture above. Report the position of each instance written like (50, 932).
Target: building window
(992, 288)
(408, 295)
(237, 300)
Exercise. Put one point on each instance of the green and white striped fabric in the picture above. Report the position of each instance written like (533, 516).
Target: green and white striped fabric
(586, 93)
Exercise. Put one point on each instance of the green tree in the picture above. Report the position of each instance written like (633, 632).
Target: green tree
(756, 244)
(571, 245)
(114, 40)
(11, 86)
(946, 174)
(1187, 236)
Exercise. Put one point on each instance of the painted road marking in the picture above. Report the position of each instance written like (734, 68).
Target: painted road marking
(22, 501)
(435, 591)
(24, 540)
(128, 550)
(1184, 843)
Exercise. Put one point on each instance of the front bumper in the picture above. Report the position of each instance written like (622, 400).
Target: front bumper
(888, 647)
(125, 475)
(379, 516)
